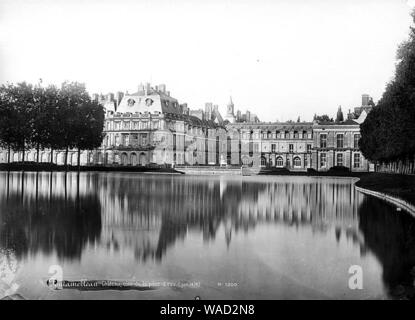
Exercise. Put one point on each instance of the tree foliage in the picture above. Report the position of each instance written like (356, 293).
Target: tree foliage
(49, 117)
(322, 118)
(388, 133)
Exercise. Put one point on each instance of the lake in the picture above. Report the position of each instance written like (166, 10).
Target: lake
(216, 237)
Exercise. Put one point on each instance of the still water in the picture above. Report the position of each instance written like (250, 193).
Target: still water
(209, 236)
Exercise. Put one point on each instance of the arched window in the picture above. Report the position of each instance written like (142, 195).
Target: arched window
(246, 161)
(279, 162)
(124, 159)
(263, 162)
(143, 160)
(134, 159)
(297, 162)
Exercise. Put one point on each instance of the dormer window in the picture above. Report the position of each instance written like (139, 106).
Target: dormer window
(149, 102)
(130, 102)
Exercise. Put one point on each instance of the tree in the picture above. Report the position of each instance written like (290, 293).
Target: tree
(339, 116)
(388, 133)
(44, 114)
(15, 116)
(90, 126)
(73, 95)
(323, 118)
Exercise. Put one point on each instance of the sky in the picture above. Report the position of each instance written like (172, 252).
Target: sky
(278, 59)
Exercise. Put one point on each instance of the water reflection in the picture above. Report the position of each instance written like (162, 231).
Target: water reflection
(160, 211)
(44, 212)
(391, 237)
(75, 217)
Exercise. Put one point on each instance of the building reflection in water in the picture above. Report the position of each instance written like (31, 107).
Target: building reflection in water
(62, 214)
(151, 214)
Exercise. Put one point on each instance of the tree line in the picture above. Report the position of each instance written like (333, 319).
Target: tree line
(388, 133)
(38, 117)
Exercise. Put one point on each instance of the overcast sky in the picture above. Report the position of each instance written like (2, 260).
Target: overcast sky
(279, 59)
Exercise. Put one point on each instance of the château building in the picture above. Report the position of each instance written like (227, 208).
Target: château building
(150, 127)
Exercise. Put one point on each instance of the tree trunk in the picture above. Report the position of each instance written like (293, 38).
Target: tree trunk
(23, 154)
(66, 158)
(37, 152)
(79, 159)
(8, 155)
(51, 155)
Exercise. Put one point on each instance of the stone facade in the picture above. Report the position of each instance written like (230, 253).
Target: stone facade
(338, 145)
(150, 127)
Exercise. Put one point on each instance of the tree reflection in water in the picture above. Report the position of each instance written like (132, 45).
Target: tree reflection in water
(44, 212)
(145, 215)
(390, 235)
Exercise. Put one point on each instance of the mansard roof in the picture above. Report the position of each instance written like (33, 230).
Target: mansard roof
(348, 122)
(193, 120)
(150, 101)
(275, 126)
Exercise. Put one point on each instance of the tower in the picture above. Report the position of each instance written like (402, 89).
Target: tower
(230, 109)
(230, 116)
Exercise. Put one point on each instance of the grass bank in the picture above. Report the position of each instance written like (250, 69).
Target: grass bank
(395, 185)
(311, 173)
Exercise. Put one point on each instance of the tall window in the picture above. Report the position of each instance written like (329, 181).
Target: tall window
(291, 147)
(340, 140)
(295, 134)
(305, 161)
(273, 147)
(356, 160)
(309, 148)
(340, 159)
(297, 162)
(279, 162)
(323, 140)
(323, 160)
(356, 141)
(144, 138)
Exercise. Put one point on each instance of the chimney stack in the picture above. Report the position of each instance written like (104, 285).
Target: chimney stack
(110, 97)
(365, 99)
(120, 95)
(147, 88)
(162, 88)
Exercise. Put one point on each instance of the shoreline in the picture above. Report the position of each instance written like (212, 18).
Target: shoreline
(47, 167)
(396, 189)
